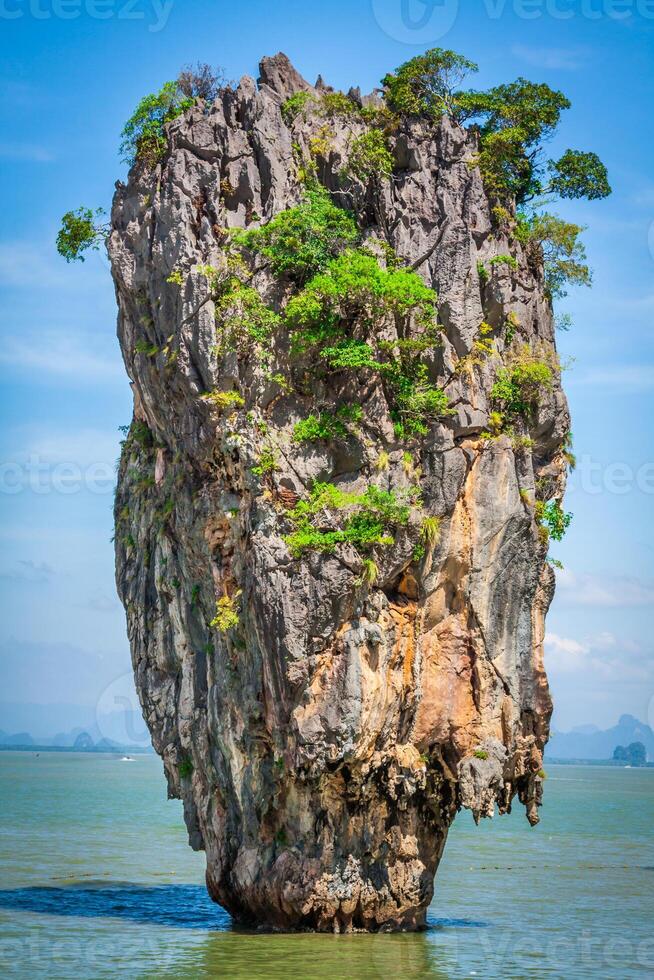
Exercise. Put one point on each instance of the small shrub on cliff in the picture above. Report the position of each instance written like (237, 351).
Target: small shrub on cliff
(201, 81)
(301, 241)
(143, 136)
(185, 768)
(267, 462)
(553, 520)
(509, 260)
(225, 399)
(369, 157)
(354, 286)
(369, 572)
(327, 425)
(563, 254)
(294, 105)
(226, 617)
(518, 386)
(331, 516)
(241, 315)
(339, 105)
(80, 231)
(430, 530)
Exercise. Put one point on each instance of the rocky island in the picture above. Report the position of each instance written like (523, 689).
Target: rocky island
(347, 457)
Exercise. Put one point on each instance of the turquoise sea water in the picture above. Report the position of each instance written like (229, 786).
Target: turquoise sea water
(98, 881)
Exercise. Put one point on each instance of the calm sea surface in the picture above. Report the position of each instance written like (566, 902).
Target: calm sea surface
(98, 881)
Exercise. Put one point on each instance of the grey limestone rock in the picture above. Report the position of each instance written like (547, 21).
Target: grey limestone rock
(323, 746)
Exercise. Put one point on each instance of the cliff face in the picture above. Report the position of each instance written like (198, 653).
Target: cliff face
(323, 743)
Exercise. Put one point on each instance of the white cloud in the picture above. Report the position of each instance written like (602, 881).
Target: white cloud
(29, 152)
(603, 591)
(556, 58)
(62, 353)
(603, 658)
(564, 654)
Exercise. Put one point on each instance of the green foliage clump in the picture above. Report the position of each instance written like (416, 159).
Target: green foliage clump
(331, 516)
(267, 462)
(185, 768)
(567, 452)
(328, 425)
(415, 399)
(143, 136)
(480, 754)
(300, 241)
(354, 295)
(426, 85)
(339, 105)
(294, 105)
(563, 254)
(350, 355)
(226, 617)
(355, 292)
(509, 260)
(369, 156)
(517, 387)
(240, 313)
(430, 530)
(578, 174)
(355, 286)
(225, 399)
(513, 121)
(80, 230)
(553, 520)
(369, 572)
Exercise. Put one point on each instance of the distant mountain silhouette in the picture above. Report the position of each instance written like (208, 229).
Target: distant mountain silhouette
(588, 742)
(22, 738)
(83, 741)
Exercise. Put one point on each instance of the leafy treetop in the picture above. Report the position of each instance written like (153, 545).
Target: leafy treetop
(426, 85)
(513, 120)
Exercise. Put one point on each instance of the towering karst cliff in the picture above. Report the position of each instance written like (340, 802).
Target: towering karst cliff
(375, 659)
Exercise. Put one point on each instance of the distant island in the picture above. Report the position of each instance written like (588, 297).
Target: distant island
(74, 741)
(614, 746)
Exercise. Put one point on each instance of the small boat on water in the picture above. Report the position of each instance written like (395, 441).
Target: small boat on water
(127, 758)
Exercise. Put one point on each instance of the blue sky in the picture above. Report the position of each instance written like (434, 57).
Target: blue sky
(71, 72)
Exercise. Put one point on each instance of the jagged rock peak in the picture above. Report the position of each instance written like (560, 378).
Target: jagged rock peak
(277, 72)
